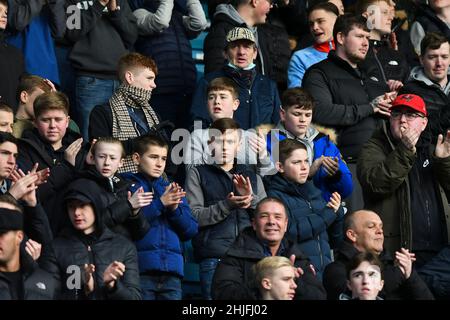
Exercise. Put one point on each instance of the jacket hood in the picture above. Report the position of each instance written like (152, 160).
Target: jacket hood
(418, 74)
(229, 11)
(87, 191)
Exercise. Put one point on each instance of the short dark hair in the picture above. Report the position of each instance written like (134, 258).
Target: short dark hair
(4, 2)
(297, 97)
(325, 6)
(51, 101)
(7, 137)
(7, 198)
(359, 258)
(135, 60)
(223, 83)
(345, 23)
(142, 143)
(5, 107)
(361, 6)
(109, 140)
(29, 83)
(270, 199)
(433, 41)
(287, 146)
(222, 125)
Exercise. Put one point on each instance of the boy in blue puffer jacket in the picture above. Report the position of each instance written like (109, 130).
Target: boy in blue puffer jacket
(313, 223)
(159, 252)
(327, 169)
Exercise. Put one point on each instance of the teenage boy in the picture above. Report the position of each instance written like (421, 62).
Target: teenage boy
(330, 173)
(121, 210)
(30, 87)
(221, 196)
(160, 252)
(52, 145)
(312, 221)
(222, 101)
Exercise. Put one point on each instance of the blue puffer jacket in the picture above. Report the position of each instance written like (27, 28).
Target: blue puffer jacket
(311, 222)
(319, 144)
(259, 104)
(160, 249)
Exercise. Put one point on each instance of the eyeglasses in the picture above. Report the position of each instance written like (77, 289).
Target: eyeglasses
(408, 115)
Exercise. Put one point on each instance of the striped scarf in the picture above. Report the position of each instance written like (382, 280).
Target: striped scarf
(123, 128)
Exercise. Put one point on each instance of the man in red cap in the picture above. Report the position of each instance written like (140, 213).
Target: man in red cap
(406, 180)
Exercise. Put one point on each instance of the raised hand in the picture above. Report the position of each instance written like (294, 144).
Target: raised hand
(443, 146)
(405, 259)
(139, 199)
(112, 273)
(24, 187)
(242, 202)
(89, 283)
(242, 185)
(33, 248)
(409, 137)
(70, 154)
(258, 145)
(315, 166)
(335, 202)
(331, 165)
(173, 196)
(90, 157)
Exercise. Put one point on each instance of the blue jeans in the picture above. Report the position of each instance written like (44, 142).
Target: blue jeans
(91, 92)
(160, 287)
(207, 267)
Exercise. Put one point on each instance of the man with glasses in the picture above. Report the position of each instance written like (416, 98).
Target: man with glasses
(406, 179)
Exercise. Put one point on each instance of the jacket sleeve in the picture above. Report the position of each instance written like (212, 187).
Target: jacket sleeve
(36, 224)
(100, 122)
(88, 19)
(117, 213)
(193, 154)
(127, 287)
(57, 18)
(296, 71)
(125, 23)
(277, 104)
(150, 23)
(49, 263)
(309, 287)
(309, 226)
(326, 112)
(416, 288)
(205, 216)
(195, 22)
(213, 48)
(229, 282)
(381, 174)
(441, 169)
(182, 221)
(137, 225)
(335, 280)
(261, 192)
(21, 12)
(341, 182)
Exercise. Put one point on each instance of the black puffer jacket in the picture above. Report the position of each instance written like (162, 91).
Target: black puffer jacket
(396, 286)
(37, 283)
(117, 211)
(233, 279)
(67, 254)
(33, 149)
(343, 97)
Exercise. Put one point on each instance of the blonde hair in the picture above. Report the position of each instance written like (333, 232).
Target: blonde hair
(109, 140)
(265, 267)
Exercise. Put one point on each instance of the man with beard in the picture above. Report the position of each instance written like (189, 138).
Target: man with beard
(345, 98)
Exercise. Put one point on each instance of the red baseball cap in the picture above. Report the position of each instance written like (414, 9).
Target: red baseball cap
(411, 101)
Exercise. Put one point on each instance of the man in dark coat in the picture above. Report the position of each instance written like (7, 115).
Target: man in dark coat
(406, 179)
(346, 99)
(364, 233)
(234, 278)
(20, 276)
